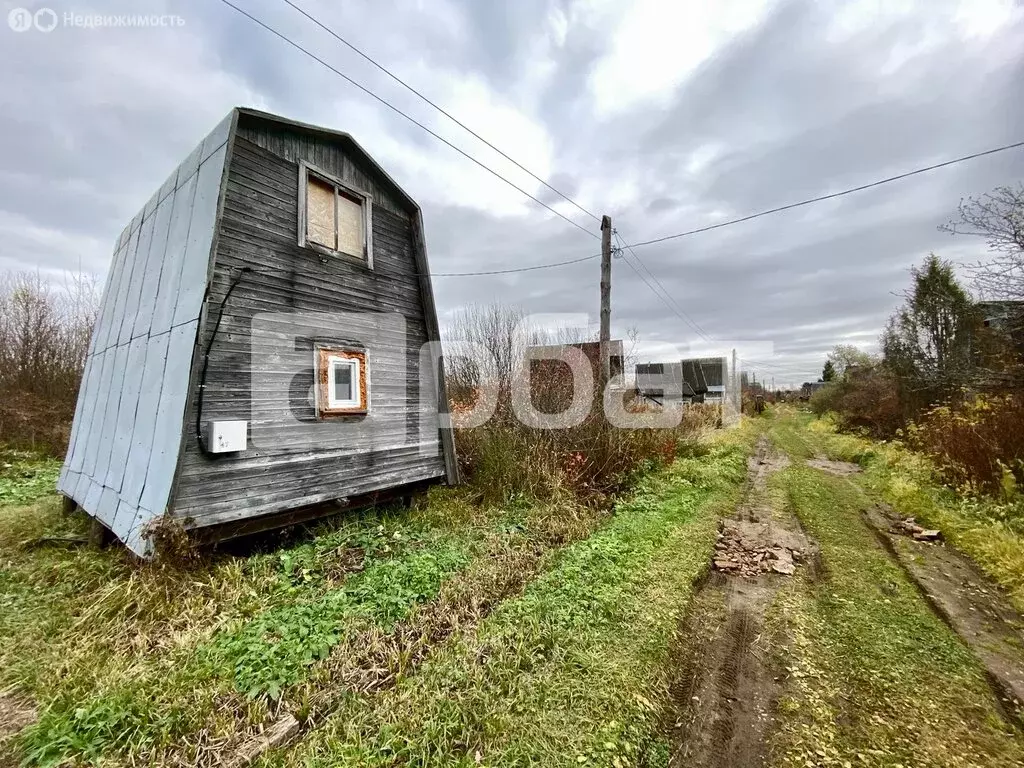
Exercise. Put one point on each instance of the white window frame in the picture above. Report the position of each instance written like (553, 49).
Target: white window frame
(333, 402)
(366, 203)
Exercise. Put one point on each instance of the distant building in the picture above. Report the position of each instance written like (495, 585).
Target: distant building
(663, 383)
(809, 388)
(592, 351)
(706, 376)
(1006, 318)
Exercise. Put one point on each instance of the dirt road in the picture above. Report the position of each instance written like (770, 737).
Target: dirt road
(820, 638)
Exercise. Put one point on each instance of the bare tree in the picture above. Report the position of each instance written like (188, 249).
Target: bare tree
(44, 339)
(998, 217)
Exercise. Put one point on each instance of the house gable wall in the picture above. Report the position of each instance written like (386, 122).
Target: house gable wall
(285, 304)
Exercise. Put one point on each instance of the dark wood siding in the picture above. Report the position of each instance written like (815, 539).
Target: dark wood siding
(296, 459)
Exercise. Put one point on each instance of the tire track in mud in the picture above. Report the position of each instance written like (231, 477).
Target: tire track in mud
(725, 686)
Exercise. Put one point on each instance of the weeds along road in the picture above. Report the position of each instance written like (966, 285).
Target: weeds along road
(524, 634)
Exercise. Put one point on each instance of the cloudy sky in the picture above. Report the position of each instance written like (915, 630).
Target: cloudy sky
(667, 116)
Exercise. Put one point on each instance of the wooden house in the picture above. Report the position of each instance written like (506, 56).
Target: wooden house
(257, 358)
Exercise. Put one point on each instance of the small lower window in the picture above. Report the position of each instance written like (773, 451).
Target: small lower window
(341, 381)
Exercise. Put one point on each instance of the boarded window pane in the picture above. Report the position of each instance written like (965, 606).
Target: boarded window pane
(343, 382)
(320, 212)
(350, 226)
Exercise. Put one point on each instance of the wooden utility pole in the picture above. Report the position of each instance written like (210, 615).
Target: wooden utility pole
(737, 397)
(606, 297)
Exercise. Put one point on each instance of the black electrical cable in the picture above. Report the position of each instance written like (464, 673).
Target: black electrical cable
(206, 361)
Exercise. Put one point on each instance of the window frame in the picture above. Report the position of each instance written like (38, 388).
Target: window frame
(334, 402)
(340, 189)
(325, 359)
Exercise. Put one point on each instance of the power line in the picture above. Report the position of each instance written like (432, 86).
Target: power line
(831, 196)
(517, 269)
(395, 109)
(440, 109)
(679, 311)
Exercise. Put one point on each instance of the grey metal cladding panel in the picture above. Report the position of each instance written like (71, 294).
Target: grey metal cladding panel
(98, 411)
(131, 302)
(190, 164)
(82, 490)
(108, 307)
(154, 263)
(68, 483)
(174, 255)
(127, 413)
(106, 508)
(78, 429)
(108, 426)
(99, 329)
(217, 137)
(168, 187)
(163, 460)
(145, 420)
(91, 498)
(124, 517)
(119, 296)
(135, 540)
(196, 261)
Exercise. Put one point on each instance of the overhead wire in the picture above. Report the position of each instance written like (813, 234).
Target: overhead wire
(830, 196)
(439, 108)
(398, 111)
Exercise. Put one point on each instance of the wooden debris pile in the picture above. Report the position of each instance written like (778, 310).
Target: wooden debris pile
(908, 526)
(750, 548)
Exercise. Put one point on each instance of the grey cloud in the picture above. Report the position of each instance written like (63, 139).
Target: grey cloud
(795, 113)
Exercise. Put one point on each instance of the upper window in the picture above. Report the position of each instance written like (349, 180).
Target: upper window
(341, 381)
(334, 217)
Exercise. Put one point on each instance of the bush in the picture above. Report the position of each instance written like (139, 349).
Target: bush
(44, 337)
(977, 443)
(867, 401)
(504, 458)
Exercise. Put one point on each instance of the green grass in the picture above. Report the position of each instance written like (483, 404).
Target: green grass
(876, 678)
(156, 663)
(569, 672)
(25, 477)
(990, 531)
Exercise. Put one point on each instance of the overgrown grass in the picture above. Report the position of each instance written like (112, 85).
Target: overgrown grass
(157, 663)
(26, 477)
(127, 659)
(989, 530)
(567, 673)
(876, 678)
